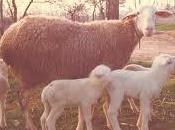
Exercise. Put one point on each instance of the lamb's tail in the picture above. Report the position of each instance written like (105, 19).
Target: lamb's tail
(100, 71)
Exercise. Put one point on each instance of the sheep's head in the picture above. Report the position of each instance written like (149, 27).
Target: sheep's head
(165, 62)
(145, 19)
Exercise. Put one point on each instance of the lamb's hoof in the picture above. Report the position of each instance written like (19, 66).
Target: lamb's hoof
(79, 128)
(109, 126)
(31, 128)
(3, 125)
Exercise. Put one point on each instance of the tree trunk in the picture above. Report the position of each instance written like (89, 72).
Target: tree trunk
(2, 17)
(15, 15)
(112, 9)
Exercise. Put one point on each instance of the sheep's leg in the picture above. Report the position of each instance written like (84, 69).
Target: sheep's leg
(133, 106)
(114, 106)
(45, 115)
(23, 101)
(4, 112)
(80, 125)
(54, 114)
(87, 114)
(145, 111)
(3, 123)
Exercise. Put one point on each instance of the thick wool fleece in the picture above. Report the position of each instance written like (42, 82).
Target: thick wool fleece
(40, 49)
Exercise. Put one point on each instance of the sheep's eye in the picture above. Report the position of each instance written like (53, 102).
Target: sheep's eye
(169, 62)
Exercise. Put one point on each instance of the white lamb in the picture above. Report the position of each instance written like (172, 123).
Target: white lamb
(4, 86)
(82, 92)
(144, 85)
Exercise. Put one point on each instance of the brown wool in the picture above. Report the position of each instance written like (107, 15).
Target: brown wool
(41, 49)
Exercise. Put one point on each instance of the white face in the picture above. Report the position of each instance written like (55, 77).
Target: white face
(146, 20)
(165, 61)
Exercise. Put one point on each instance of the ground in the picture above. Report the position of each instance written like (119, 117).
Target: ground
(164, 107)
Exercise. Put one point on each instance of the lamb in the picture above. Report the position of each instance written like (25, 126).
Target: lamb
(144, 85)
(133, 67)
(135, 109)
(82, 92)
(41, 49)
(4, 87)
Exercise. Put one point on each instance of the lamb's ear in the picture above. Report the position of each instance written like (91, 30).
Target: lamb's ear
(130, 16)
(163, 13)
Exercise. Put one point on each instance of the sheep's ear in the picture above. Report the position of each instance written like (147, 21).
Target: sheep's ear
(163, 13)
(130, 16)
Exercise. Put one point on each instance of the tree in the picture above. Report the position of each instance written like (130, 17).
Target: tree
(14, 10)
(112, 9)
(2, 17)
(98, 4)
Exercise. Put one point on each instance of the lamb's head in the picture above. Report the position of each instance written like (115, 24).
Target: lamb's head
(165, 62)
(145, 18)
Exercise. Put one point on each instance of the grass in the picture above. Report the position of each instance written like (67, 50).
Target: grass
(165, 27)
(164, 109)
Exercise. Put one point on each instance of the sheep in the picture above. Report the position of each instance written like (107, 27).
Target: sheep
(82, 92)
(40, 49)
(4, 87)
(144, 85)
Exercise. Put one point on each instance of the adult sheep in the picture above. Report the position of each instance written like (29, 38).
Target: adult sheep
(41, 49)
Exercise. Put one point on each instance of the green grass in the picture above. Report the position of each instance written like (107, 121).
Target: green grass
(165, 27)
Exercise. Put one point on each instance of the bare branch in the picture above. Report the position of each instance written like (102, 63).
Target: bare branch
(25, 12)
(11, 12)
(14, 10)
(2, 17)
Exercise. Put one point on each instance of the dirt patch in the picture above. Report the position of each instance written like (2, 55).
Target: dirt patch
(161, 42)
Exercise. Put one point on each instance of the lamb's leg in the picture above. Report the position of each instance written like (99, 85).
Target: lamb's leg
(133, 106)
(87, 114)
(105, 108)
(54, 114)
(23, 101)
(145, 113)
(80, 125)
(139, 121)
(116, 99)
